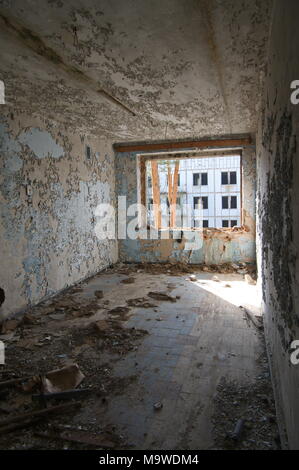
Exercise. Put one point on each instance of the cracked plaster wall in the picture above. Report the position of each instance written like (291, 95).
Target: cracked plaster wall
(278, 215)
(48, 191)
(218, 246)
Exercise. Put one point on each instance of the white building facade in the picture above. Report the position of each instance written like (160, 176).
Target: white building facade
(208, 192)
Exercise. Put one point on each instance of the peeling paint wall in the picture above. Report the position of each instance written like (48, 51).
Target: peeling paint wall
(218, 246)
(184, 67)
(278, 215)
(49, 190)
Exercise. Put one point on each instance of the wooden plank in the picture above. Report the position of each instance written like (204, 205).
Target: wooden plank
(12, 382)
(142, 168)
(81, 437)
(199, 144)
(174, 194)
(169, 181)
(156, 194)
(32, 415)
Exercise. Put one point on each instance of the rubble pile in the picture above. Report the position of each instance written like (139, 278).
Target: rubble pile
(245, 416)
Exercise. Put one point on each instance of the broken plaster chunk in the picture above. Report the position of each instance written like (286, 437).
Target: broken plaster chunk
(158, 406)
(161, 296)
(216, 279)
(58, 380)
(99, 294)
(57, 316)
(205, 268)
(249, 280)
(242, 271)
(128, 280)
(192, 278)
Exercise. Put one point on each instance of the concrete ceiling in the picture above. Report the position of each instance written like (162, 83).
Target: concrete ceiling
(185, 68)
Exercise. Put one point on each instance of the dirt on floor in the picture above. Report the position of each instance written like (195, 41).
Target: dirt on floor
(245, 415)
(70, 329)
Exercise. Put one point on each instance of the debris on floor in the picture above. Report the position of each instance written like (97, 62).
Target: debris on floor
(180, 268)
(249, 279)
(60, 380)
(99, 294)
(121, 361)
(162, 296)
(128, 280)
(140, 302)
(158, 406)
(104, 440)
(255, 320)
(244, 416)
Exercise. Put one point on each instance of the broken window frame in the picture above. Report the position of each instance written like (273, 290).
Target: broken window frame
(143, 158)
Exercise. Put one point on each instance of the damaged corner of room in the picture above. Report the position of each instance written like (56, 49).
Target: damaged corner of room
(149, 226)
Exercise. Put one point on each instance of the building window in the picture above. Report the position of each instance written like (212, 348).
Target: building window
(224, 223)
(233, 177)
(193, 182)
(224, 177)
(228, 177)
(150, 203)
(204, 179)
(224, 202)
(204, 199)
(233, 202)
(195, 179)
(205, 202)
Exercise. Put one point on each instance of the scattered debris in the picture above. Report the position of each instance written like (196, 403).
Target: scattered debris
(180, 267)
(13, 382)
(104, 441)
(242, 271)
(118, 310)
(10, 325)
(101, 326)
(257, 321)
(66, 395)
(8, 337)
(192, 278)
(62, 379)
(128, 280)
(121, 312)
(236, 434)
(99, 294)
(94, 344)
(30, 418)
(140, 302)
(249, 279)
(57, 316)
(161, 296)
(234, 399)
(158, 406)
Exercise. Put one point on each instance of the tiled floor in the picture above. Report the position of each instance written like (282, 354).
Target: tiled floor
(191, 344)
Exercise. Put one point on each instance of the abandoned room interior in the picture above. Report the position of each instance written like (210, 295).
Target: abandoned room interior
(149, 225)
